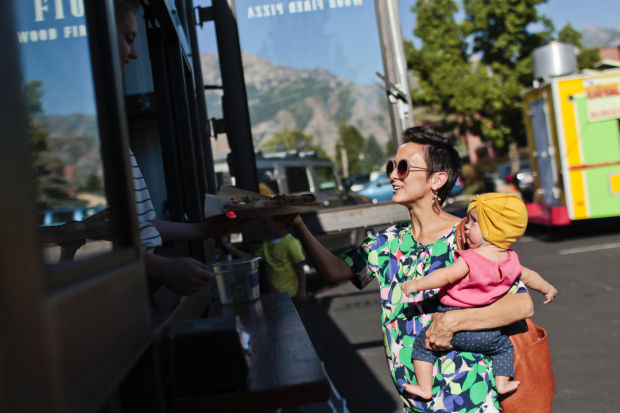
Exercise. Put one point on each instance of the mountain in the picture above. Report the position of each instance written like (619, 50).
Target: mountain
(313, 101)
(596, 36)
(74, 140)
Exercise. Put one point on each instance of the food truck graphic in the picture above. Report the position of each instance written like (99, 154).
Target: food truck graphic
(573, 131)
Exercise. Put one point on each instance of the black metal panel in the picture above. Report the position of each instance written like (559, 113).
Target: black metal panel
(102, 39)
(167, 131)
(203, 117)
(235, 100)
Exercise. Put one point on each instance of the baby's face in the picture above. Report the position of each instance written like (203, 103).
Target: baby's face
(474, 234)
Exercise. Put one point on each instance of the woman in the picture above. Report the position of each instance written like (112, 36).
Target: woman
(422, 174)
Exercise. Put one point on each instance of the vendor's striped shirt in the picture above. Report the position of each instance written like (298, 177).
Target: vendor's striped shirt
(149, 235)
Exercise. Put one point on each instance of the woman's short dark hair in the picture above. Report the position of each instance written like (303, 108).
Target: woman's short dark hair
(122, 7)
(440, 155)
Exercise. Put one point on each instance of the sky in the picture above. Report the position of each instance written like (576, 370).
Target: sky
(338, 35)
(344, 39)
(601, 13)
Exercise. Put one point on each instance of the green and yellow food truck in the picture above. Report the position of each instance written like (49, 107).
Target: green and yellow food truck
(573, 131)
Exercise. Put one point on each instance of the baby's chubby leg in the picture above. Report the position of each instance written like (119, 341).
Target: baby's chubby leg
(505, 385)
(424, 377)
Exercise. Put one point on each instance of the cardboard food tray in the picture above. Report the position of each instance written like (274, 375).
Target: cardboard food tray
(251, 211)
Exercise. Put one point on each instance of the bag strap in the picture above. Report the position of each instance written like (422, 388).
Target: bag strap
(459, 235)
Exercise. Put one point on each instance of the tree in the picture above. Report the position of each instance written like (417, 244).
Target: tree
(478, 68)
(52, 190)
(374, 158)
(351, 142)
(291, 139)
(390, 150)
(587, 56)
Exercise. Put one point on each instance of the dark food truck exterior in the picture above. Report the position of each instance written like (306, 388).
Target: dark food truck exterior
(82, 332)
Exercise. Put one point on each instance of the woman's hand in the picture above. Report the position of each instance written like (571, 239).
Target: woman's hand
(439, 334)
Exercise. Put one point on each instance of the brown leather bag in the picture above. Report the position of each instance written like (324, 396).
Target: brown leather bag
(532, 364)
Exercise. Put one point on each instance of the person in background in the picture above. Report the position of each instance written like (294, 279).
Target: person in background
(185, 275)
(422, 174)
(480, 275)
(283, 259)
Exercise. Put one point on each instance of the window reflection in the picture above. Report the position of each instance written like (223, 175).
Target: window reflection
(325, 178)
(62, 129)
(297, 179)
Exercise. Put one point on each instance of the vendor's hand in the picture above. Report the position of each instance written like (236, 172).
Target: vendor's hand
(301, 297)
(439, 334)
(219, 225)
(188, 275)
(550, 294)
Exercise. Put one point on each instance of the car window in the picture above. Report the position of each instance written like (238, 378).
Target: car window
(384, 180)
(325, 178)
(297, 179)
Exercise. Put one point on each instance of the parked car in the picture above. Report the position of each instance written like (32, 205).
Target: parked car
(356, 182)
(380, 190)
(292, 172)
(59, 216)
(523, 180)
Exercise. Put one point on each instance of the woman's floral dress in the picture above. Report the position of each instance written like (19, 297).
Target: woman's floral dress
(462, 382)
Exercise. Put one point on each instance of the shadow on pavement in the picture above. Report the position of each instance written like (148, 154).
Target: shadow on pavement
(352, 378)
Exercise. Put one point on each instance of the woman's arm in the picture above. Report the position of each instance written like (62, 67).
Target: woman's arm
(302, 295)
(330, 267)
(507, 310)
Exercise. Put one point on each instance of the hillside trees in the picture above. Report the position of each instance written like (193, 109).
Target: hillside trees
(354, 153)
(587, 56)
(291, 139)
(349, 147)
(374, 158)
(474, 71)
(51, 188)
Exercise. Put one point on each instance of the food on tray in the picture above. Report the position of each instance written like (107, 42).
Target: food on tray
(248, 201)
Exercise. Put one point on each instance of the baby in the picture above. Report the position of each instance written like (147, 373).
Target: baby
(479, 276)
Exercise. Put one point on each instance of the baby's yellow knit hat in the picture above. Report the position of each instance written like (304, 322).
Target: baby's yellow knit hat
(502, 217)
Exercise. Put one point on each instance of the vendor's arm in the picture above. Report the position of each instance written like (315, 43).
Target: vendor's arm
(534, 281)
(507, 310)
(214, 226)
(330, 267)
(438, 278)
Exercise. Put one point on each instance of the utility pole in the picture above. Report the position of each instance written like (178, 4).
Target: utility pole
(395, 67)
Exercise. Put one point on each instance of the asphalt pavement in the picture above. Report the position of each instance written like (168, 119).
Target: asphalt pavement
(583, 323)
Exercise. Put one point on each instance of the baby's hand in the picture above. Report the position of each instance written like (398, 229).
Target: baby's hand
(550, 294)
(409, 287)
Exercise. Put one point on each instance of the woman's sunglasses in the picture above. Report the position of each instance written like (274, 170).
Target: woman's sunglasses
(402, 168)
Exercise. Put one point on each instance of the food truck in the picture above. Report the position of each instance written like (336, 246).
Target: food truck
(83, 328)
(573, 131)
